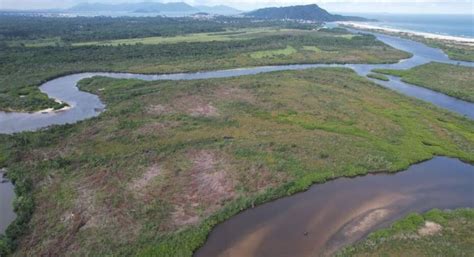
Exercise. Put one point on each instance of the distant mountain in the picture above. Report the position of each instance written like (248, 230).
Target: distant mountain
(310, 12)
(218, 9)
(152, 7)
(134, 7)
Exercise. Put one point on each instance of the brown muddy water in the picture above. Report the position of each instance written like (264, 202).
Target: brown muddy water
(6, 202)
(329, 216)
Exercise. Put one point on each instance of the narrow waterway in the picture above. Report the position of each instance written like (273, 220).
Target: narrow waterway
(328, 216)
(85, 105)
(6, 203)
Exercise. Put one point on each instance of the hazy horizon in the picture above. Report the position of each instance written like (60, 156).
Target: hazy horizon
(342, 6)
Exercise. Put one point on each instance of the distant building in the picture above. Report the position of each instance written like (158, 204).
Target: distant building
(202, 16)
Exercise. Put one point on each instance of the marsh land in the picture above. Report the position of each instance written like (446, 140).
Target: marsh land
(453, 80)
(27, 61)
(168, 160)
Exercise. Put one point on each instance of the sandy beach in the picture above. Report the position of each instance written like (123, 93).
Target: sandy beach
(368, 26)
(51, 110)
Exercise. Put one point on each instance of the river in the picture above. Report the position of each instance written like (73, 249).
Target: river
(85, 105)
(274, 235)
(6, 202)
(319, 221)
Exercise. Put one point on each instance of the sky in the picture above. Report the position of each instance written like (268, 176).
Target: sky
(338, 6)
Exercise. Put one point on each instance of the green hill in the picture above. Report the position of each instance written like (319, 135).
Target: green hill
(310, 12)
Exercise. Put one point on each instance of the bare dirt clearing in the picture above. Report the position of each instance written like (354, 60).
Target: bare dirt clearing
(430, 228)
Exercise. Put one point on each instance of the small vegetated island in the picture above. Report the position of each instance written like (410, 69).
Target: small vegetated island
(378, 76)
(453, 80)
(168, 160)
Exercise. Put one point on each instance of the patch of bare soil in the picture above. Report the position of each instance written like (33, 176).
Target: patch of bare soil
(205, 110)
(430, 228)
(209, 184)
(85, 214)
(201, 106)
(94, 210)
(140, 183)
(157, 128)
(189, 104)
(159, 109)
(195, 106)
(258, 178)
(209, 172)
(181, 217)
(234, 93)
(88, 208)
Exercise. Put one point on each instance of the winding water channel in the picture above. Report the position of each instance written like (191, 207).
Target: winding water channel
(86, 105)
(321, 219)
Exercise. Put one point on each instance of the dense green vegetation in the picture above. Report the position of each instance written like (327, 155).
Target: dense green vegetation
(231, 34)
(453, 80)
(16, 30)
(170, 159)
(377, 76)
(435, 233)
(311, 12)
(455, 50)
(23, 68)
(288, 50)
(194, 37)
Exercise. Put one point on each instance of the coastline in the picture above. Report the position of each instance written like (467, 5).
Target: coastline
(366, 26)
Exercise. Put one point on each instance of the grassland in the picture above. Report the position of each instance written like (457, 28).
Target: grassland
(435, 233)
(194, 37)
(23, 69)
(377, 76)
(312, 48)
(168, 160)
(289, 50)
(453, 80)
(234, 34)
(455, 50)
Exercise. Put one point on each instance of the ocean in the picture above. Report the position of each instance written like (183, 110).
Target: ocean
(451, 25)
(461, 25)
